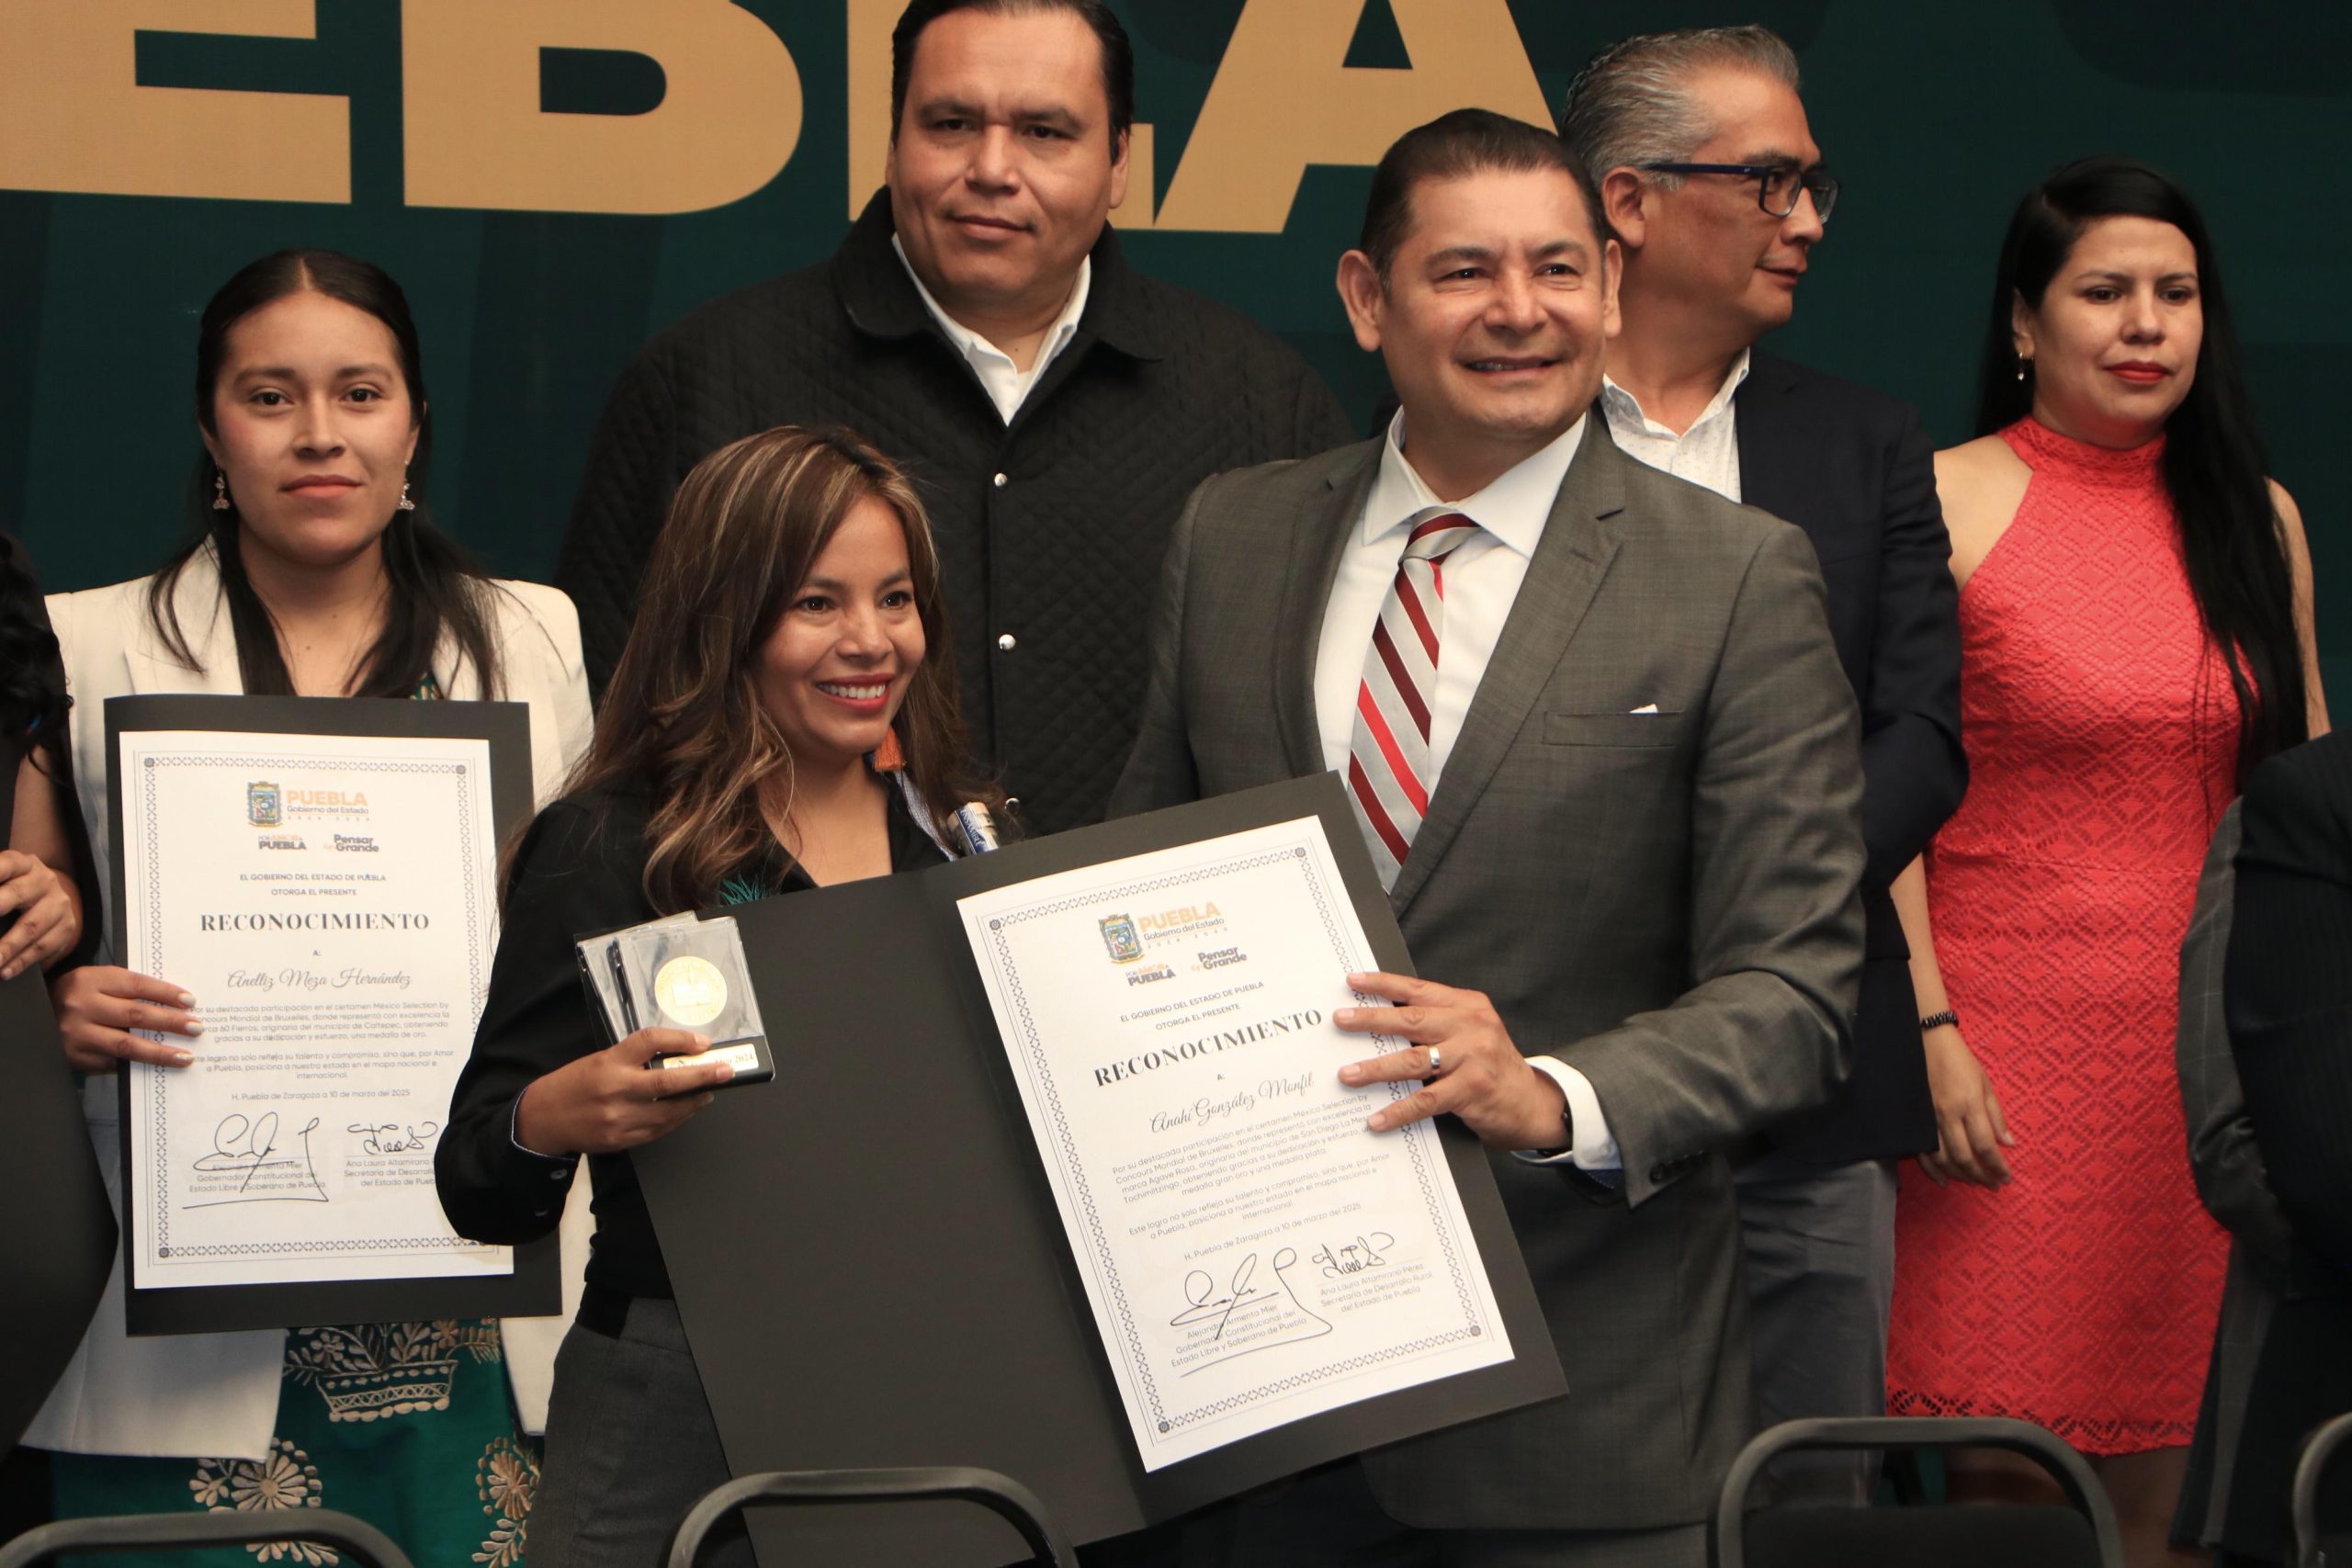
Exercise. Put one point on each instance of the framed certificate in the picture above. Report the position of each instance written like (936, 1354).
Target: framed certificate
(1056, 1177)
(322, 875)
(1252, 1254)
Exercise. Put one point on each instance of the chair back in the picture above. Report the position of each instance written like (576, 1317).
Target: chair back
(361, 1545)
(2313, 1471)
(1001, 1494)
(2082, 1534)
(1940, 1535)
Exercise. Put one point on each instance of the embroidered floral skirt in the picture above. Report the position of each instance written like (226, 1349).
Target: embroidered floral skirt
(407, 1426)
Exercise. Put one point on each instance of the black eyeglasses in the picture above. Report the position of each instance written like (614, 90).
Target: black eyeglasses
(1776, 185)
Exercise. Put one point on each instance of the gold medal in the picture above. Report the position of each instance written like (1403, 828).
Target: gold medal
(689, 991)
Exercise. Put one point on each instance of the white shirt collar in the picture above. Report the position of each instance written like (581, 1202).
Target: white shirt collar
(980, 350)
(1627, 407)
(1514, 508)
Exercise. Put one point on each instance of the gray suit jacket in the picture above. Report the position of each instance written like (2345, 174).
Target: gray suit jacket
(1667, 901)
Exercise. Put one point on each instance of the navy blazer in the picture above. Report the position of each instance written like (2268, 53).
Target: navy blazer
(1852, 468)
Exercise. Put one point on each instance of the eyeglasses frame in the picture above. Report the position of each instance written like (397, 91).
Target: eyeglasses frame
(1818, 182)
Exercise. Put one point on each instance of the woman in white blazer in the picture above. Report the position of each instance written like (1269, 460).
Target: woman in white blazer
(315, 576)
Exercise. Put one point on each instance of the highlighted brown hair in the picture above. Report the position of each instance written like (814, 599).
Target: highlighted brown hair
(681, 719)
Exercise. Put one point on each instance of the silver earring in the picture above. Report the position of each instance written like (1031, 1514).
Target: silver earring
(2022, 362)
(219, 491)
(405, 503)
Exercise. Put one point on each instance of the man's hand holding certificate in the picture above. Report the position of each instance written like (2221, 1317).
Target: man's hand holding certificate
(1463, 1059)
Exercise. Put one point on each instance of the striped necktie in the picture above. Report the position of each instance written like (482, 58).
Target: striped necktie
(1389, 772)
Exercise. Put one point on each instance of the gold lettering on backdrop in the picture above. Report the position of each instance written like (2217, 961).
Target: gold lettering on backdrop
(73, 117)
(870, 22)
(1283, 98)
(475, 136)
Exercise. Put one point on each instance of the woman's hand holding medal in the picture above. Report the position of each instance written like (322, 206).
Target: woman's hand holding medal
(617, 1098)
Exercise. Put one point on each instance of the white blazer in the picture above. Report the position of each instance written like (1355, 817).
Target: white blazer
(191, 1395)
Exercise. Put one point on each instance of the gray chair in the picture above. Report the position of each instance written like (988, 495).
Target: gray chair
(2082, 1535)
(361, 1544)
(2326, 1446)
(1002, 1494)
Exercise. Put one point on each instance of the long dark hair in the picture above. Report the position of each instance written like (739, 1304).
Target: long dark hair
(435, 587)
(32, 687)
(683, 719)
(2215, 465)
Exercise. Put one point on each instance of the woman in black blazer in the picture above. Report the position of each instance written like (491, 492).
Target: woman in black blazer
(783, 716)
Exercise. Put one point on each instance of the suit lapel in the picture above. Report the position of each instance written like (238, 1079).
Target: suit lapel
(1318, 540)
(203, 616)
(1581, 538)
(1771, 442)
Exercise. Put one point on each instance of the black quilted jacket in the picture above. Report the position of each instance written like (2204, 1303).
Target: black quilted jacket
(1050, 529)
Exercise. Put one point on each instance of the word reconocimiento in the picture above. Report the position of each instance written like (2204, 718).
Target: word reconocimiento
(1206, 1046)
(316, 921)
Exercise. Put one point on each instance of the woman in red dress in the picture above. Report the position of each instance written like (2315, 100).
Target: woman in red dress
(2136, 616)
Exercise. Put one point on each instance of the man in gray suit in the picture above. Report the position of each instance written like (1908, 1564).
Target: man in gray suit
(1602, 750)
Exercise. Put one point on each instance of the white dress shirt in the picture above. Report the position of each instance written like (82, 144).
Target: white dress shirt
(1006, 383)
(1482, 580)
(1706, 453)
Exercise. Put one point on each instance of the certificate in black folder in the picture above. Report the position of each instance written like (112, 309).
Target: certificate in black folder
(1056, 1177)
(322, 875)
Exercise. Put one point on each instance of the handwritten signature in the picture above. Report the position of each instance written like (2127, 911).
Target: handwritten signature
(1354, 1257)
(391, 1138)
(1206, 1303)
(1209, 1302)
(245, 1143)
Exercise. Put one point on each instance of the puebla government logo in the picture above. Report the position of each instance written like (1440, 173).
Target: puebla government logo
(1120, 937)
(265, 807)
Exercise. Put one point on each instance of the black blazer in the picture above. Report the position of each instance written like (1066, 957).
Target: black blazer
(2289, 991)
(1050, 529)
(1852, 468)
(2283, 1361)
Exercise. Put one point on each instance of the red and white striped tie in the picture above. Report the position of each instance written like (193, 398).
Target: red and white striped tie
(1389, 772)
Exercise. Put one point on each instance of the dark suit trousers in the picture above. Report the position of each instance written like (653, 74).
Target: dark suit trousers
(1819, 1243)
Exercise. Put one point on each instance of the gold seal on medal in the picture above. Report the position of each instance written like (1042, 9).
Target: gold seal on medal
(689, 991)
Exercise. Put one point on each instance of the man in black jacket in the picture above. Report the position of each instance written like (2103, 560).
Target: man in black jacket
(1711, 179)
(1053, 406)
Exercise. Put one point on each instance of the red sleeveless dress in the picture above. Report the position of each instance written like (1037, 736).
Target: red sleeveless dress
(2101, 731)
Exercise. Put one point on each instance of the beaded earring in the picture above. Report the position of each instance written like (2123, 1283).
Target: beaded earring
(220, 490)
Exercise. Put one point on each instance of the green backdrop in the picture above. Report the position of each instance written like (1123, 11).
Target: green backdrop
(1937, 117)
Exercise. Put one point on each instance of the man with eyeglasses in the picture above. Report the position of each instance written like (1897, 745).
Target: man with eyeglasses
(1710, 177)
